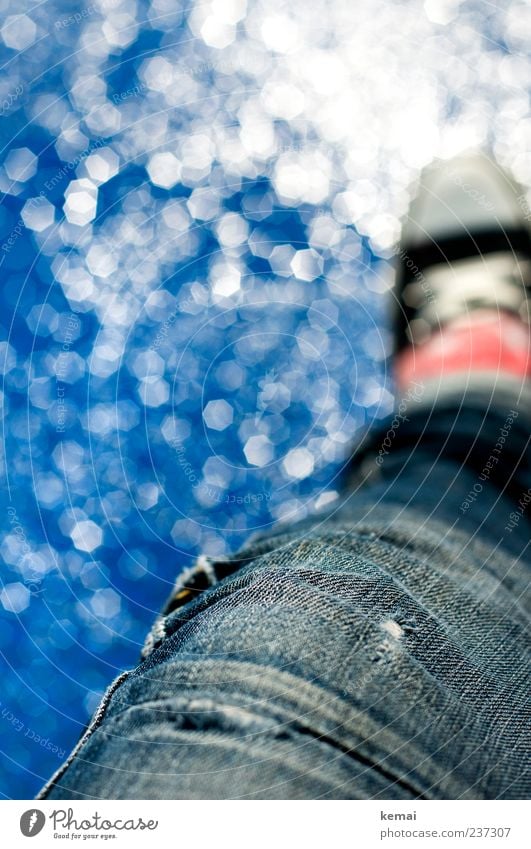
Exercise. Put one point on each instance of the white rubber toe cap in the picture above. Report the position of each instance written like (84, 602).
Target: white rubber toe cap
(469, 193)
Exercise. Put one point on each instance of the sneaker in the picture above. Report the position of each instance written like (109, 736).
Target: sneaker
(466, 246)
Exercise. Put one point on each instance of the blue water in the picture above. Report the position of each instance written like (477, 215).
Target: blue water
(114, 479)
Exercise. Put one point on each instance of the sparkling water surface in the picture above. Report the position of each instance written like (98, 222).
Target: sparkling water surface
(200, 207)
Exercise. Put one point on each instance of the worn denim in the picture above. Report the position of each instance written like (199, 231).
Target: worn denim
(378, 651)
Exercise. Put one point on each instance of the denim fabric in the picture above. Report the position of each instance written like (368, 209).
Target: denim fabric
(379, 650)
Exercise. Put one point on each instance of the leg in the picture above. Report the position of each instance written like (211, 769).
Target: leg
(376, 651)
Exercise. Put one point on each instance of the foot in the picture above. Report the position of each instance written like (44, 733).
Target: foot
(466, 247)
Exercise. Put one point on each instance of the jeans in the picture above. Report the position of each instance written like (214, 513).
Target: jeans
(376, 651)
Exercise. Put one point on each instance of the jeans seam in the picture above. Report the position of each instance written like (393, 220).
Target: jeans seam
(94, 723)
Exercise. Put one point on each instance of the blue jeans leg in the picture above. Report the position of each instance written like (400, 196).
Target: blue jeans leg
(375, 651)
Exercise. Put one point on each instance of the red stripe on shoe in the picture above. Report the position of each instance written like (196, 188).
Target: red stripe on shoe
(482, 341)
